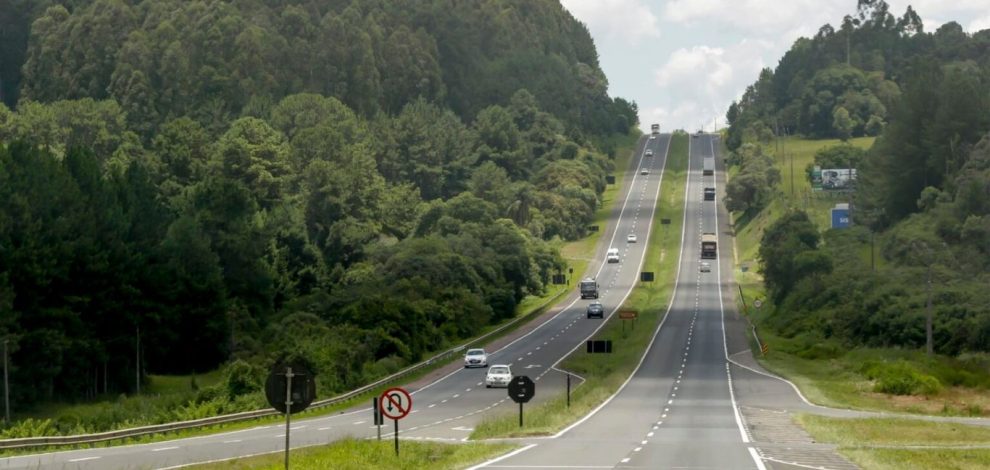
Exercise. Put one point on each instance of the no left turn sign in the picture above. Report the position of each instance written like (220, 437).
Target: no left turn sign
(395, 403)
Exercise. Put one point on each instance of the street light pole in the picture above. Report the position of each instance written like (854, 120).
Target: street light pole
(929, 346)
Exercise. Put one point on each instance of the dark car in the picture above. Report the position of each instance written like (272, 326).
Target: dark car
(596, 310)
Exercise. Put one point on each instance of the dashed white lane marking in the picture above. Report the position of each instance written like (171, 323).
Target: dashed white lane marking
(443, 401)
(637, 449)
(456, 395)
(160, 449)
(359, 422)
(235, 441)
(625, 460)
(323, 428)
(297, 427)
(83, 459)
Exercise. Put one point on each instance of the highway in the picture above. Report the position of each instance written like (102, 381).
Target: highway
(448, 404)
(681, 407)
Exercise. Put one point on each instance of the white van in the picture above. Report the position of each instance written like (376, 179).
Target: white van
(612, 256)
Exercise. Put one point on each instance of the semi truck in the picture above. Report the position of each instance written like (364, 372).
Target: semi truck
(709, 245)
(655, 128)
(709, 166)
(589, 288)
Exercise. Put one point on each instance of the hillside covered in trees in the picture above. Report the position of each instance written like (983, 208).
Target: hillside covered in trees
(923, 188)
(358, 182)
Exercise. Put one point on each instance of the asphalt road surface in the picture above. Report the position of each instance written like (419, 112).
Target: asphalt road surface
(448, 406)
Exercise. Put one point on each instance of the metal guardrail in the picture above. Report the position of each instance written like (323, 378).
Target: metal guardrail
(29, 442)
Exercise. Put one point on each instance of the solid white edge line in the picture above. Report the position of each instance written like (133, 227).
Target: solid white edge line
(502, 457)
(672, 297)
(758, 459)
(721, 309)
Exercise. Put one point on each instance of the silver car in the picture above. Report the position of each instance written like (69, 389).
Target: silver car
(476, 358)
(705, 267)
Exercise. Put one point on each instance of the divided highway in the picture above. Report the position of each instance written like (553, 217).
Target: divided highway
(446, 408)
(678, 410)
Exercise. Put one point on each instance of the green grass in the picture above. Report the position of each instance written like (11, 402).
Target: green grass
(363, 454)
(606, 372)
(872, 442)
(859, 432)
(918, 459)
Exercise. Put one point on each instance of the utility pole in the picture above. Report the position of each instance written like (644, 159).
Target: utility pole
(929, 346)
(137, 358)
(6, 387)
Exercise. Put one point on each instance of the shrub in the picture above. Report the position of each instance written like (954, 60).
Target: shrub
(900, 378)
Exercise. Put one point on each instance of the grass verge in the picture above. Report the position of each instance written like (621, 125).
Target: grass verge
(605, 373)
(872, 443)
(355, 454)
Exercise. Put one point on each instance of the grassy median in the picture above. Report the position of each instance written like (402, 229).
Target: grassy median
(352, 454)
(605, 373)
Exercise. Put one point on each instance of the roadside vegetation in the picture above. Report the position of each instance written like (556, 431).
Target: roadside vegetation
(844, 311)
(352, 454)
(889, 443)
(201, 179)
(605, 373)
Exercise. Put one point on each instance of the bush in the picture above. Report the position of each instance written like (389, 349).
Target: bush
(900, 378)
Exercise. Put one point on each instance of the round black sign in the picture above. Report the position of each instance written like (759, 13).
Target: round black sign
(303, 387)
(521, 389)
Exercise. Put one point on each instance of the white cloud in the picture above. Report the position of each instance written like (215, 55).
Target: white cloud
(630, 21)
(979, 24)
(711, 75)
(761, 18)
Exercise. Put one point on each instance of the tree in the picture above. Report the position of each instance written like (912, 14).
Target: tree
(842, 123)
(784, 243)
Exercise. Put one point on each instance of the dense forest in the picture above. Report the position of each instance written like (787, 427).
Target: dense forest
(359, 182)
(923, 190)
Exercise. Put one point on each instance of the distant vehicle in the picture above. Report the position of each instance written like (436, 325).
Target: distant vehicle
(654, 129)
(499, 375)
(709, 166)
(653, 137)
(612, 256)
(709, 194)
(700, 132)
(644, 171)
(705, 267)
(476, 358)
(709, 246)
(631, 238)
(589, 288)
(596, 310)
(649, 152)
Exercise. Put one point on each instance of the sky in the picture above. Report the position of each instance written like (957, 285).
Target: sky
(684, 61)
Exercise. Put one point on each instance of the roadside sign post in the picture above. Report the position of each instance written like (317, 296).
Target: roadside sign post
(628, 315)
(568, 389)
(521, 390)
(291, 396)
(288, 411)
(377, 415)
(395, 403)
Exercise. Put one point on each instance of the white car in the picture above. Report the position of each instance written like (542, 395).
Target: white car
(653, 137)
(705, 267)
(644, 171)
(631, 238)
(612, 256)
(649, 152)
(476, 358)
(498, 376)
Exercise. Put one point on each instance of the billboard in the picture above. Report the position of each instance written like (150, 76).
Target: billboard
(833, 179)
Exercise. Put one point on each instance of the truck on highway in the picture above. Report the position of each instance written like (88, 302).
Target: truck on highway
(708, 167)
(709, 245)
(589, 288)
(709, 194)
(654, 129)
